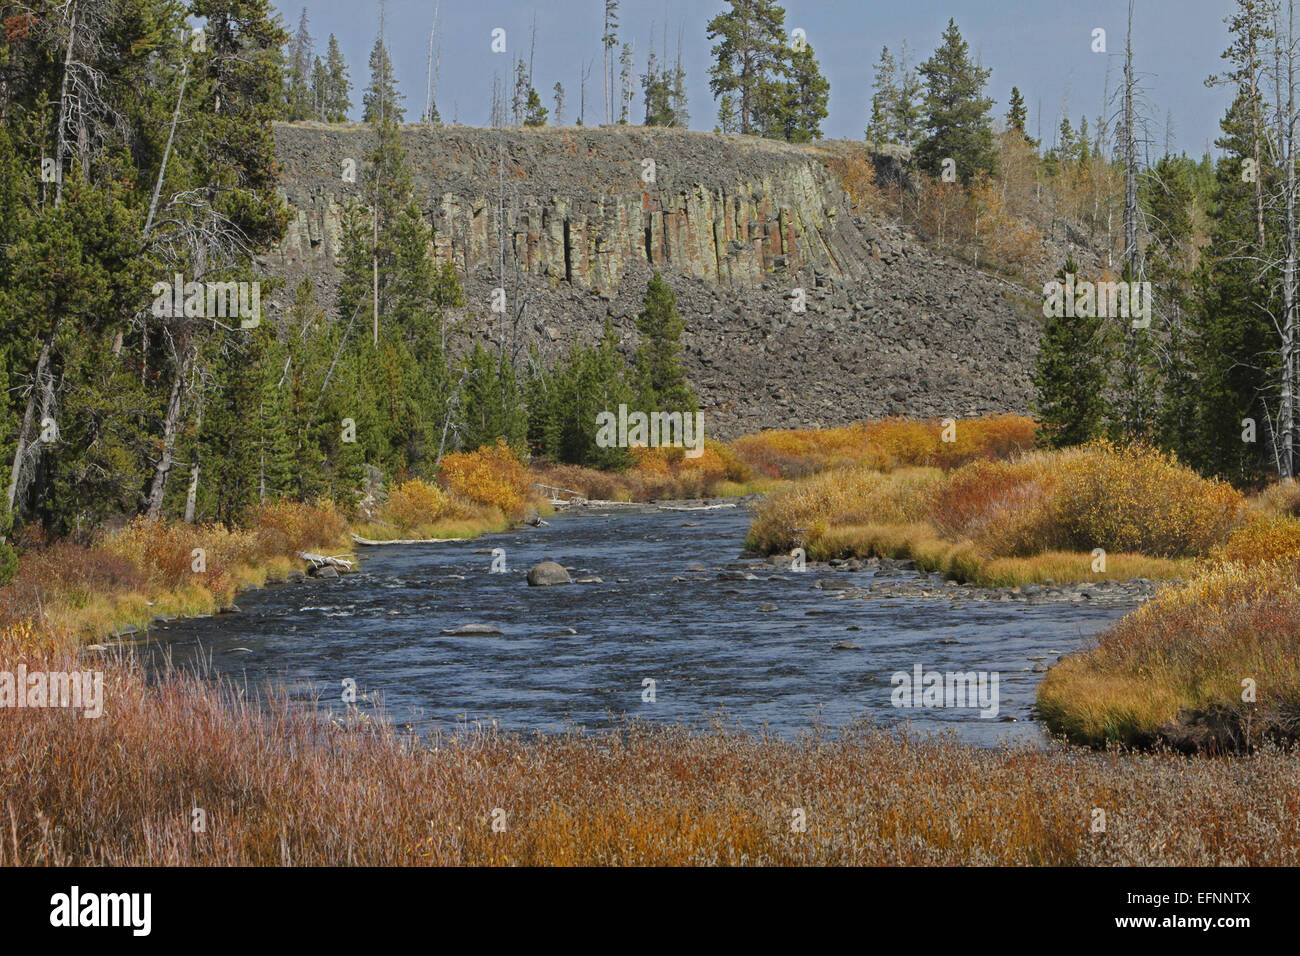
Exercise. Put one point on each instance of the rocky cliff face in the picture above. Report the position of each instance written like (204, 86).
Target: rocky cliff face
(736, 226)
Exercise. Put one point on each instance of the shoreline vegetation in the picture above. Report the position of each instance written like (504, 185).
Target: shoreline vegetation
(986, 507)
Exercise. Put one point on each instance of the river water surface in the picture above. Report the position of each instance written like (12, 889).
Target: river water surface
(758, 651)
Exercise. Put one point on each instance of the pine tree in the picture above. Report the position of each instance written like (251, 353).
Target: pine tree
(320, 84)
(1017, 114)
(382, 99)
(298, 87)
(1234, 343)
(882, 124)
(660, 377)
(956, 111)
(534, 112)
(1069, 377)
(907, 107)
(803, 97)
(658, 94)
(337, 100)
(748, 60)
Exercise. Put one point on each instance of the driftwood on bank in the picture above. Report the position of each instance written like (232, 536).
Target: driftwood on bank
(324, 560)
(371, 542)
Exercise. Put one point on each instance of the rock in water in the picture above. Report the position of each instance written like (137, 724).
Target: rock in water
(547, 573)
(479, 629)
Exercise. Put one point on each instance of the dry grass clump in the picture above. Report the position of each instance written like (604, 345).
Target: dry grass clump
(159, 567)
(885, 445)
(804, 513)
(1192, 647)
(1279, 498)
(281, 785)
(1003, 522)
(493, 475)
(417, 504)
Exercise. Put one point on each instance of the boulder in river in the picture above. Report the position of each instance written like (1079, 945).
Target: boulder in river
(548, 573)
(473, 629)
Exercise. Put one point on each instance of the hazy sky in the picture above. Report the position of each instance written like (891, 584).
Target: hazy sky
(1042, 46)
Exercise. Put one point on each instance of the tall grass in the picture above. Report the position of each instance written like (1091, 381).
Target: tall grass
(885, 445)
(280, 784)
(151, 568)
(1035, 517)
(1189, 651)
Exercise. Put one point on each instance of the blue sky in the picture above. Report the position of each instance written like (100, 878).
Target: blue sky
(1042, 46)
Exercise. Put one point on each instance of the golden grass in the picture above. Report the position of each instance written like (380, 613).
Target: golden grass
(885, 445)
(282, 785)
(1001, 523)
(1192, 647)
(157, 568)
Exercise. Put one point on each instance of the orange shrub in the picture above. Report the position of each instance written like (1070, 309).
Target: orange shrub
(284, 527)
(491, 475)
(1001, 505)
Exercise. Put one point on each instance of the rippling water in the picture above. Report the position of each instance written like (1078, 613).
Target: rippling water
(759, 651)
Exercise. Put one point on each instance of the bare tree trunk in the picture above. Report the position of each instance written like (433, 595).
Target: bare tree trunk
(192, 495)
(1287, 414)
(170, 422)
(24, 433)
(1130, 157)
(60, 147)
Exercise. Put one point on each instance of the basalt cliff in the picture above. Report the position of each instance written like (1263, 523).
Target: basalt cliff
(572, 221)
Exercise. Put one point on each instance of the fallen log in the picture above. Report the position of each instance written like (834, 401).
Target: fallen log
(325, 560)
(371, 542)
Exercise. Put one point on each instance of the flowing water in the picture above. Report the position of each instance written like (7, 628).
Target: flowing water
(758, 650)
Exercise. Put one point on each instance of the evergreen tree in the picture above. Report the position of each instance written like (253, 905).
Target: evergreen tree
(534, 111)
(1069, 377)
(1234, 343)
(337, 94)
(803, 99)
(882, 124)
(660, 378)
(907, 107)
(749, 55)
(382, 100)
(319, 95)
(1017, 114)
(298, 105)
(957, 111)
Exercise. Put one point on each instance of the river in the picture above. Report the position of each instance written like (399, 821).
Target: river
(759, 651)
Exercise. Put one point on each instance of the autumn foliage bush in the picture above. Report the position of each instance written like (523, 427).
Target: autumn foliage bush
(492, 475)
(286, 527)
(1125, 499)
(417, 503)
(885, 445)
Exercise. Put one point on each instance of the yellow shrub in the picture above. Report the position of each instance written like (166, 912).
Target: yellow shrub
(1262, 542)
(491, 475)
(415, 503)
(1138, 498)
